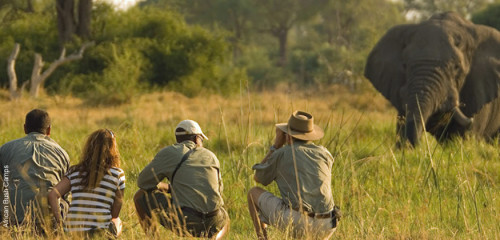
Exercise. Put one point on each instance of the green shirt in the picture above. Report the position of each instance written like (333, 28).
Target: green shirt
(31, 166)
(313, 175)
(197, 183)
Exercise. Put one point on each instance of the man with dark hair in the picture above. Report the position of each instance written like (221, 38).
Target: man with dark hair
(303, 173)
(37, 121)
(191, 205)
(31, 166)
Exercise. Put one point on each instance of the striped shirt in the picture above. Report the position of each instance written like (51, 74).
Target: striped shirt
(91, 209)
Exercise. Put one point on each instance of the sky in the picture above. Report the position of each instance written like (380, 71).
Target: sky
(122, 4)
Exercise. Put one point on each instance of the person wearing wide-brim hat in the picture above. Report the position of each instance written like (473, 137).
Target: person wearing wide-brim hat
(302, 171)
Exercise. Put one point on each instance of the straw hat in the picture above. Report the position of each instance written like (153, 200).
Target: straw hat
(301, 126)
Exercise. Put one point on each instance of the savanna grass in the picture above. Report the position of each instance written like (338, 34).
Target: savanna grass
(448, 191)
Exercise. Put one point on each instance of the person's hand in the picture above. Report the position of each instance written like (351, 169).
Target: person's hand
(164, 187)
(280, 138)
(118, 224)
(199, 141)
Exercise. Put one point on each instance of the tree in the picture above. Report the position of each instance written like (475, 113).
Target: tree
(277, 17)
(334, 45)
(84, 18)
(489, 16)
(65, 20)
(233, 16)
(11, 70)
(68, 25)
(423, 9)
(38, 77)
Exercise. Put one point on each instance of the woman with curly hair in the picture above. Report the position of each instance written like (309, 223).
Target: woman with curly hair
(96, 185)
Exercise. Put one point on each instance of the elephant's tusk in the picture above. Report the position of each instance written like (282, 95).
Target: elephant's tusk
(460, 117)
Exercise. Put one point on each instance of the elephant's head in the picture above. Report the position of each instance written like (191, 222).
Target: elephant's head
(445, 66)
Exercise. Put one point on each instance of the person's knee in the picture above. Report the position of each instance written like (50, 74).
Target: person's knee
(137, 199)
(138, 195)
(254, 194)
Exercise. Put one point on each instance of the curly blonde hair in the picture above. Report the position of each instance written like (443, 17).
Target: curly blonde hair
(99, 154)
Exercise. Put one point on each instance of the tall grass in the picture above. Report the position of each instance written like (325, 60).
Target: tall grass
(434, 191)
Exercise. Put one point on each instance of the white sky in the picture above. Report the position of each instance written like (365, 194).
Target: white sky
(122, 4)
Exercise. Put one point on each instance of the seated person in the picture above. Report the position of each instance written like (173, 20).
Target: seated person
(303, 173)
(195, 205)
(31, 166)
(96, 185)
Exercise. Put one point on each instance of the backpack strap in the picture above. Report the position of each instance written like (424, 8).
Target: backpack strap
(184, 158)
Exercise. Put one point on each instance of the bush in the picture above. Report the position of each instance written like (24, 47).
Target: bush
(117, 83)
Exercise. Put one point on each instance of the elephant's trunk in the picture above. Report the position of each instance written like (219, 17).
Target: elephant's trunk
(413, 131)
(419, 108)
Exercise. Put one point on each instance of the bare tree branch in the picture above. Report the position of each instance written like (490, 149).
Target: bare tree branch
(37, 79)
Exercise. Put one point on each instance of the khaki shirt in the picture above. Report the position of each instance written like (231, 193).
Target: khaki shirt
(197, 183)
(314, 175)
(31, 166)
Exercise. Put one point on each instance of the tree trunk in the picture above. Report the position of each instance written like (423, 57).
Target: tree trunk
(29, 7)
(65, 20)
(35, 75)
(282, 35)
(11, 71)
(38, 77)
(84, 19)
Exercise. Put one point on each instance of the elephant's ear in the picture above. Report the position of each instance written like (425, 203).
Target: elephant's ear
(385, 68)
(482, 84)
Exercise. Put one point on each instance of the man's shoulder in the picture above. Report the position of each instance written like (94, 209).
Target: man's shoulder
(206, 152)
(14, 142)
(14, 145)
(169, 149)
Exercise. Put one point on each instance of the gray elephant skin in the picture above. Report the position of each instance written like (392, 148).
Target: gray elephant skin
(442, 75)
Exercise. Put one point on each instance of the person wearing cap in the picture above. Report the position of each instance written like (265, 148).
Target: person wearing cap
(303, 173)
(31, 166)
(191, 205)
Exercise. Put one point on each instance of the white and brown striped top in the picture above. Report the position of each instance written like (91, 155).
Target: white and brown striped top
(91, 209)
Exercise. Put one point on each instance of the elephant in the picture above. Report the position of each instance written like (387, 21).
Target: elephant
(442, 75)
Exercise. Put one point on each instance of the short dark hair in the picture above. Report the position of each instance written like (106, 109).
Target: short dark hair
(184, 137)
(37, 120)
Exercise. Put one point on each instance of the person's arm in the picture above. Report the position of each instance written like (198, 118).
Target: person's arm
(117, 203)
(63, 187)
(279, 141)
(153, 173)
(115, 211)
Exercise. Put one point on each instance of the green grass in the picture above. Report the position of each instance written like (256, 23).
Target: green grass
(434, 191)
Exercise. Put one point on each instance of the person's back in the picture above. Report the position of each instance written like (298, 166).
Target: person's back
(35, 164)
(192, 203)
(197, 183)
(308, 166)
(302, 171)
(96, 184)
(90, 209)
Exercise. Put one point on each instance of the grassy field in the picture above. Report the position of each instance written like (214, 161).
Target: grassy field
(434, 191)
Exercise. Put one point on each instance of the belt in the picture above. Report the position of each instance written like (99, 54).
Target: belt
(200, 214)
(329, 214)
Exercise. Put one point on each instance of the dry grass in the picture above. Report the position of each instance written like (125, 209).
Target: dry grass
(434, 191)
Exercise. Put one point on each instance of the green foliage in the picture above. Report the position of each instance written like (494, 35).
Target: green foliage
(261, 69)
(489, 16)
(36, 33)
(425, 8)
(158, 47)
(119, 82)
